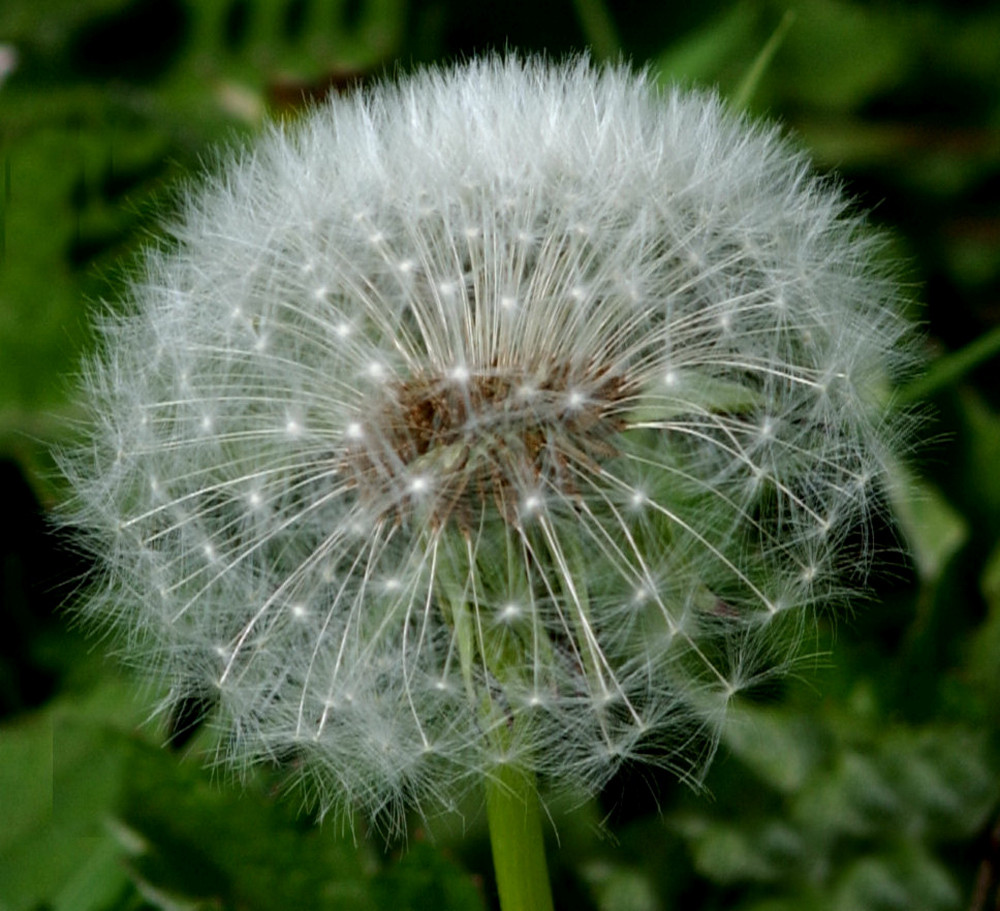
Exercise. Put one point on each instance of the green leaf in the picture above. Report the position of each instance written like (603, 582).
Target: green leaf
(934, 529)
(751, 80)
(25, 779)
(228, 847)
(909, 879)
(756, 852)
(98, 883)
(620, 887)
(61, 772)
(839, 54)
(781, 749)
(721, 51)
(424, 878)
(983, 664)
(862, 822)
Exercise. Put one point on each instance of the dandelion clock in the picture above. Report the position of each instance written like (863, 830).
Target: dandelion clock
(484, 431)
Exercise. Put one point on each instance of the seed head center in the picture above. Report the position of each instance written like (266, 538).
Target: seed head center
(453, 445)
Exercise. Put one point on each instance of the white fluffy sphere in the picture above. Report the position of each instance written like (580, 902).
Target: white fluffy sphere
(516, 412)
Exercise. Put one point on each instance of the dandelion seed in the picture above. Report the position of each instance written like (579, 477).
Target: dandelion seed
(521, 478)
(418, 485)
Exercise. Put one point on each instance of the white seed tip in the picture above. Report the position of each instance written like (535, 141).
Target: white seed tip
(511, 611)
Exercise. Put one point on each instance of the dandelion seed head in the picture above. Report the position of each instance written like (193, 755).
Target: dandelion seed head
(510, 390)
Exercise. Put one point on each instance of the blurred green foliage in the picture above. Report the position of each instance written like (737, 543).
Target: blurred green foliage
(871, 783)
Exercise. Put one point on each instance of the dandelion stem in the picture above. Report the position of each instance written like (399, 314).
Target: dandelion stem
(516, 839)
(512, 805)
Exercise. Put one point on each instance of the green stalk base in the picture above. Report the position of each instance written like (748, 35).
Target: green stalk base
(515, 821)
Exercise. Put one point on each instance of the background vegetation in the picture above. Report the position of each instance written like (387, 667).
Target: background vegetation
(870, 783)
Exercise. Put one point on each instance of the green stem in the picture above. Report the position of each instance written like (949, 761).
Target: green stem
(512, 806)
(515, 820)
